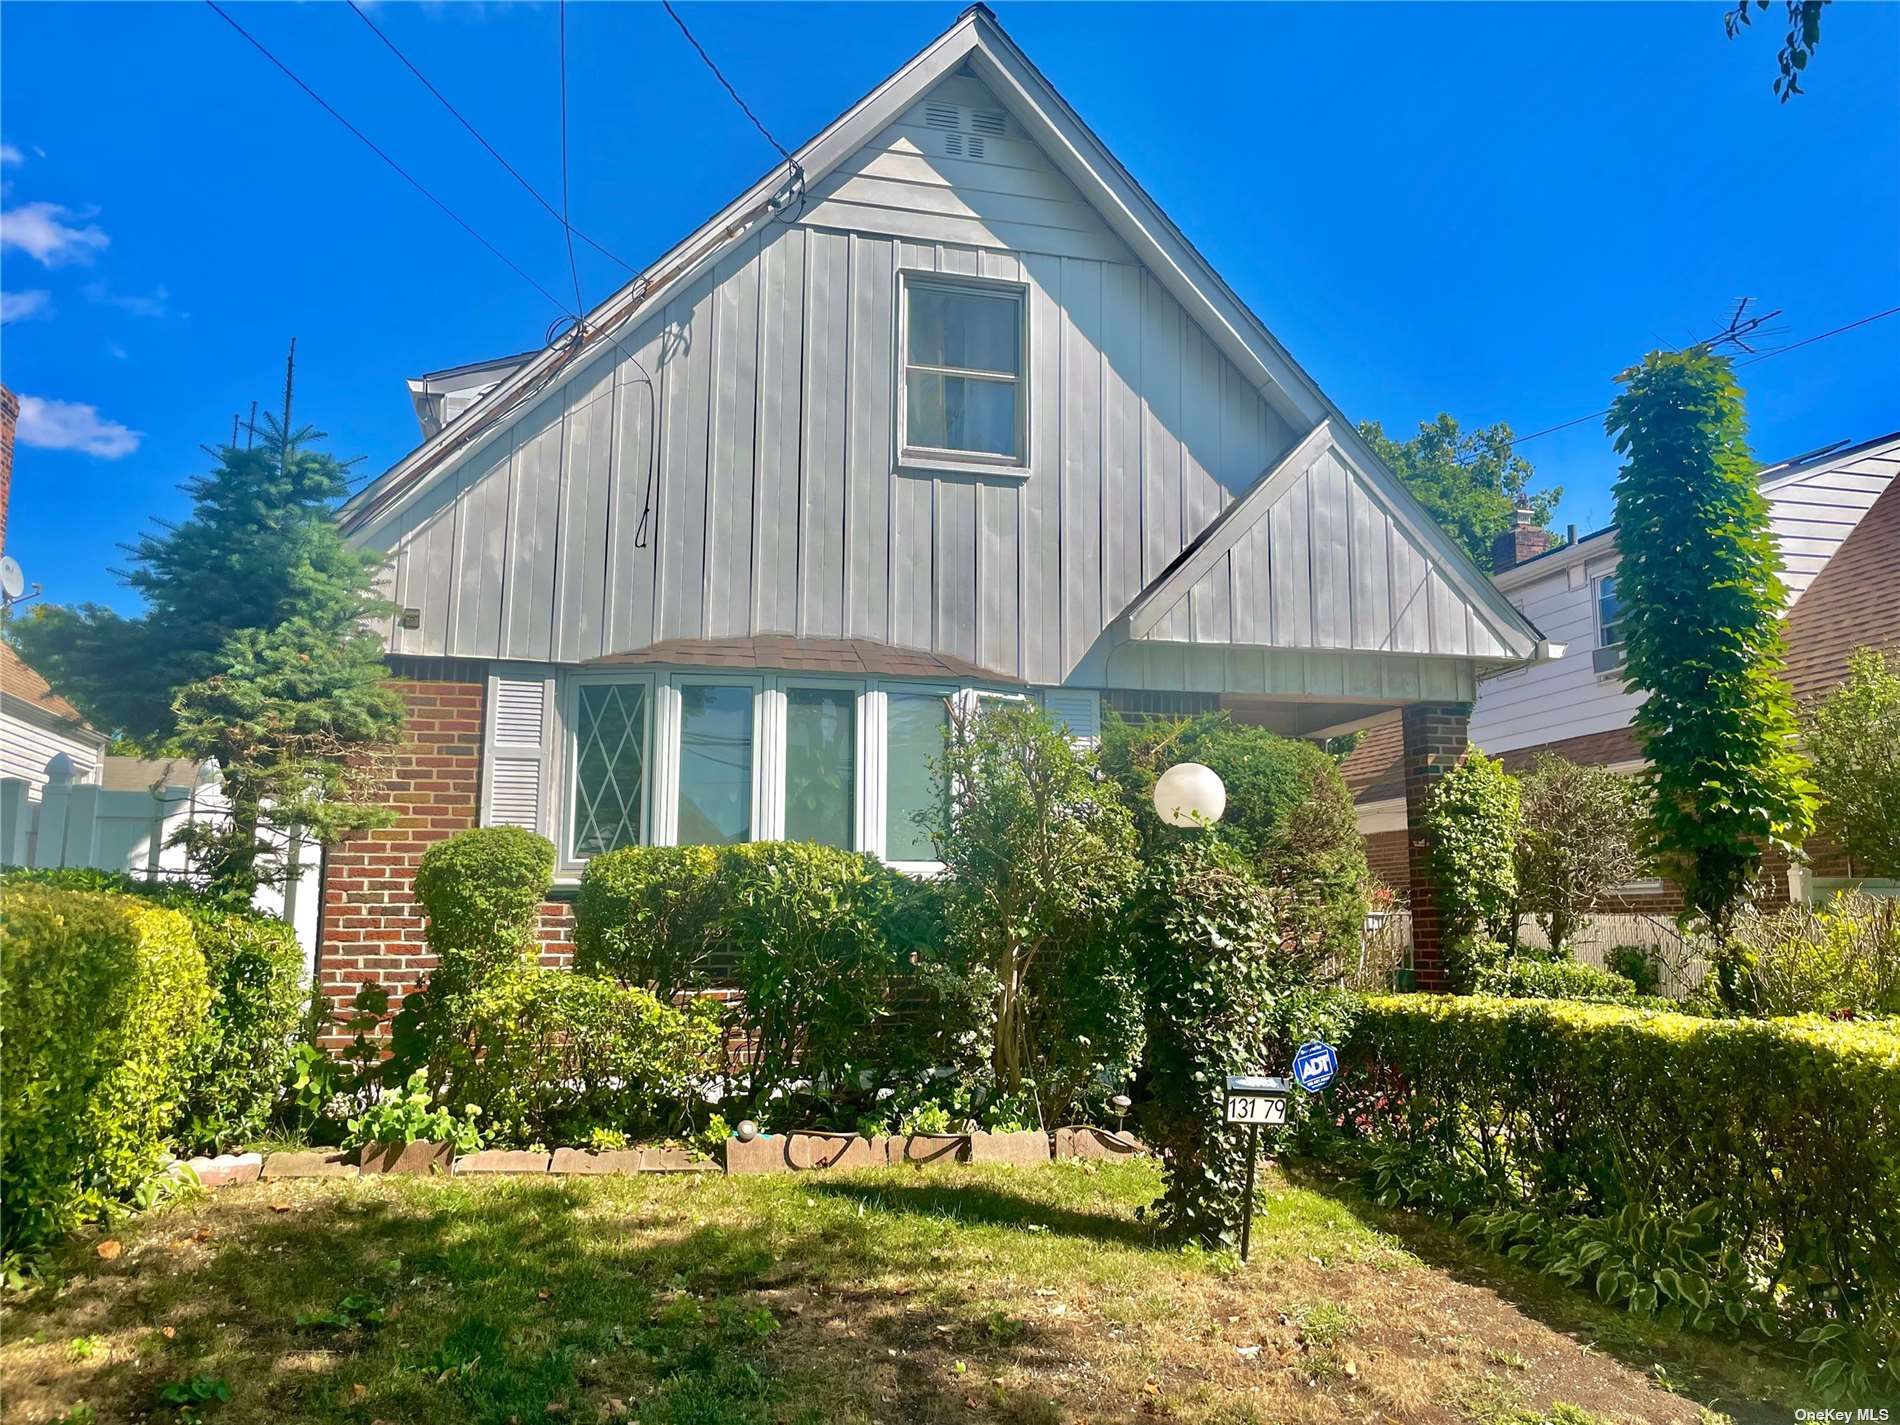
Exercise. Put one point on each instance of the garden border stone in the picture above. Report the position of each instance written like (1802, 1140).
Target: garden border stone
(500, 1160)
(1026, 1149)
(1093, 1144)
(923, 1149)
(309, 1163)
(583, 1162)
(419, 1159)
(228, 1168)
(810, 1150)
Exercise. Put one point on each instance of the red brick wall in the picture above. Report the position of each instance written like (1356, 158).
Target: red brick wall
(1389, 857)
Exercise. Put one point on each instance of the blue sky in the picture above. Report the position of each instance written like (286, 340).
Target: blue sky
(1487, 210)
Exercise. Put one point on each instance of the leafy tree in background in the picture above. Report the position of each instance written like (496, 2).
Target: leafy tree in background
(1803, 38)
(1577, 842)
(1701, 613)
(1471, 481)
(252, 649)
(1853, 734)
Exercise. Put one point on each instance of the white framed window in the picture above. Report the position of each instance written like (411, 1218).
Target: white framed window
(607, 799)
(962, 389)
(915, 721)
(1609, 613)
(715, 797)
(823, 764)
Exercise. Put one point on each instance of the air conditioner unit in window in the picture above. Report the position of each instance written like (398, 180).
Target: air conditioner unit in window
(1607, 660)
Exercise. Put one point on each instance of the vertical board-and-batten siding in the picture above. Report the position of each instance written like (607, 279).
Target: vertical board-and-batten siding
(774, 504)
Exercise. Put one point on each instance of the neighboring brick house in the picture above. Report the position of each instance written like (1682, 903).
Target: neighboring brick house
(1836, 518)
(944, 408)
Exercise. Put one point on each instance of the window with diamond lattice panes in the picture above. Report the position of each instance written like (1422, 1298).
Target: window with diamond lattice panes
(610, 735)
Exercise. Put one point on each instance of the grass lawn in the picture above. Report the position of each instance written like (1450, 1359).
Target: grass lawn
(957, 1294)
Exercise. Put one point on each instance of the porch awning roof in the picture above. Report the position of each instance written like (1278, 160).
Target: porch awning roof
(832, 657)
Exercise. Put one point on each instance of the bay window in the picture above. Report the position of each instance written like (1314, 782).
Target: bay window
(607, 799)
(821, 766)
(914, 732)
(715, 766)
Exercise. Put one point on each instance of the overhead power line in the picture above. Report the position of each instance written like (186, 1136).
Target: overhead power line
(798, 169)
(371, 144)
(514, 173)
(1753, 360)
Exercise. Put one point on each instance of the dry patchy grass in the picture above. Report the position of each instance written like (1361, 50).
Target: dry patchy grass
(959, 1294)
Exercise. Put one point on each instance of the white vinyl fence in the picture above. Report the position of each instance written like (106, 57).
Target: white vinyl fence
(78, 824)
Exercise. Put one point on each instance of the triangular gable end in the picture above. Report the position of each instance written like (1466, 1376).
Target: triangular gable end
(1317, 556)
(974, 54)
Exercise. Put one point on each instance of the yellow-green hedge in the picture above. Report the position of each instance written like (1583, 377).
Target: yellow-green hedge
(100, 996)
(1777, 1143)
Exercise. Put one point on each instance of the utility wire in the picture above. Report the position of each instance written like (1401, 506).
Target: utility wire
(493, 153)
(370, 143)
(798, 169)
(1764, 356)
(572, 270)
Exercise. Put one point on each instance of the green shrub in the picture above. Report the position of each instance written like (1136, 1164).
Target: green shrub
(242, 1050)
(409, 1114)
(554, 1057)
(1712, 1173)
(1288, 811)
(481, 892)
(1474, 818)
(1576, 842)
(1039, 858)
(1639, 964)
(815, 962)
(1853, 735)
(241, 1057)
(102, 995)
(1314, 863)
(1841, 959)
(651, 915)
(1521, 978)
(1203, 925)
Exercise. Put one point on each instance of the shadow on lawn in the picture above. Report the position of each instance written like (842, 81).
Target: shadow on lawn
(971, 1203)
(1706, 1363)
(533, 1297)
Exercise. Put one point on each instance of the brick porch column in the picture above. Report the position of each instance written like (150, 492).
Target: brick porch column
(1435, 741)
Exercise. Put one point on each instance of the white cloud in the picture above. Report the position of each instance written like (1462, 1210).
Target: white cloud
(116, 352)
(72, 425)
(23, 306)
(9, 154)
(139, 306)
(41, 231)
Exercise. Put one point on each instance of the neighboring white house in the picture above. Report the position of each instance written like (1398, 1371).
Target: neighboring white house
(1577, 706)
(36, 725)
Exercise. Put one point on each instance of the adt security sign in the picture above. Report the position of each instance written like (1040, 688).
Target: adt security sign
(1314, 1066)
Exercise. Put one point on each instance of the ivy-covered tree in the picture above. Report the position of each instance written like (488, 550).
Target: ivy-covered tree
(1853, 734)
(1474, 819)
(1471, 481)
(253, 648)
(1701, 616)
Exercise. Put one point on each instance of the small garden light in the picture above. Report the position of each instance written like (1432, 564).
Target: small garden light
(1188, 794)
(746, 1131)
(1120, 1104)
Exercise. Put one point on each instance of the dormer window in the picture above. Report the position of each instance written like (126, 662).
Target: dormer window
(964, 397)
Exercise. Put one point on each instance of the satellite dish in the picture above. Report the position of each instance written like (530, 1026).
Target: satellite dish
(12, 581)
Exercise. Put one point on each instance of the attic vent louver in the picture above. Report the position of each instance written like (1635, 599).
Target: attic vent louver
(976, 147)
(993, 122)
(943, 116)
(953, 145)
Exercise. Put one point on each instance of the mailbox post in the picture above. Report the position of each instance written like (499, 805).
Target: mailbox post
(1253, 1100)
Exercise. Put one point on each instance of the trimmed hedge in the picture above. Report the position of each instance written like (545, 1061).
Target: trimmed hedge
(1699, 1170)
(1523, 978)
(482, 893)
(650, 915)
(100, 1001)
(242, 1049)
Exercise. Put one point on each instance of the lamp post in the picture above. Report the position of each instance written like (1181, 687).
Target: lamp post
(1188, 794)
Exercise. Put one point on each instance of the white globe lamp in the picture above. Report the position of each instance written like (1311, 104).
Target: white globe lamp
(1188, 794)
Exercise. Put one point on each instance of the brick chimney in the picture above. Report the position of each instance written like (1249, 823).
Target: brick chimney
(9, 417)
(1523, 540)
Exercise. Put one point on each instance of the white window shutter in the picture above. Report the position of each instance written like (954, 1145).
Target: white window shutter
(1077, 709)
(518, 755)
